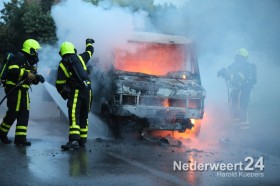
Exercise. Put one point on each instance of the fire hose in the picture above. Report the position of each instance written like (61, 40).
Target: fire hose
(17, 85)
(40, 78)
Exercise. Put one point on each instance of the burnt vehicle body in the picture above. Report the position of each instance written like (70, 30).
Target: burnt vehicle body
(154, 85)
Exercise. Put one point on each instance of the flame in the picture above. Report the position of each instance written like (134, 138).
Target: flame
(188, 134)
(193, 121)
(166, 103)
(149, 58)
(154, 59)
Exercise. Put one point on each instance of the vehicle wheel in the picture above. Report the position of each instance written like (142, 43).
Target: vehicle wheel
(190, 133)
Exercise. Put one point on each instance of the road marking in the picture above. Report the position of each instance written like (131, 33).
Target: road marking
(153, 171)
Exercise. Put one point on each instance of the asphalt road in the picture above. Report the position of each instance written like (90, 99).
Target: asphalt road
(129, 161)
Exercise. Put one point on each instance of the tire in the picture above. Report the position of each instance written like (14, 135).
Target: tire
(190, 133)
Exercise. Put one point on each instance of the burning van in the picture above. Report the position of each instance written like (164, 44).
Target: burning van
(155, 85)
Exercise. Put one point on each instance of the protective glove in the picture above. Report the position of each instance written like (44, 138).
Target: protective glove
(65, 93)
(40, 78)
(89, 41)
(30, 76)
(37, 79)
(34, 70)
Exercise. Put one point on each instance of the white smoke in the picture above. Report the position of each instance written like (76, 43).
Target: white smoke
(218, 28)
(108, 25)
(76, 20)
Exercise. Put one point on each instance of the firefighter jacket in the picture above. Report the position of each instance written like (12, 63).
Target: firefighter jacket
(72, 71)
(242, 73)
(18, 70)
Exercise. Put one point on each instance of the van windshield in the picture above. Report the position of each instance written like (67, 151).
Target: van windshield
(152, 58)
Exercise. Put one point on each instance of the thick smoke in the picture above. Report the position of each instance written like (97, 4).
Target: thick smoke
(219, 28)
(108, 25)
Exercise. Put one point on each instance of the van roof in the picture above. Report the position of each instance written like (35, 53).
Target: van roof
(150, 37)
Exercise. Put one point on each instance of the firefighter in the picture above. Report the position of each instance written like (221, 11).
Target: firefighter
(21, 74)
(73, 83)
(241, 78)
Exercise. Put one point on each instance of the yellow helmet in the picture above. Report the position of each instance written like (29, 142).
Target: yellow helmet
(67, 48)
(30, 46)
(243, 52)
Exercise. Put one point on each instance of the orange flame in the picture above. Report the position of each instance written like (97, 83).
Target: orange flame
(155, 59)
(189, 133)
(166, 103)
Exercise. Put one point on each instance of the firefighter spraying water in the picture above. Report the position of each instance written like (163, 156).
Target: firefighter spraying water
(20, 73)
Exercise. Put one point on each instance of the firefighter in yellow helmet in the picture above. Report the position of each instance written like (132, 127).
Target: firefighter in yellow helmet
(241, 78)
(20, 75)
(74, 85)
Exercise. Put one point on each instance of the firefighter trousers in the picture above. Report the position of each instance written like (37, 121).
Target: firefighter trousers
(79, 105)
(18, 103)
(239, 103)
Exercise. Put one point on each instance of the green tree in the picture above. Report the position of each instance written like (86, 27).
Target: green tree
(21, 20)
(11, 26)
(46, 5)
(38, 24)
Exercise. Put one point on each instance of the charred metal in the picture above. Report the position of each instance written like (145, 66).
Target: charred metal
(151, 99)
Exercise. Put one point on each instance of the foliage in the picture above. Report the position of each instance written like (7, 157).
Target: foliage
(46, 5)
(21, 20)
(38, 24)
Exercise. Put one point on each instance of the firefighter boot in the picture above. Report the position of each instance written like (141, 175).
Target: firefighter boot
(4, 139)
(82, 142)
(70, 145)
(22, 143)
